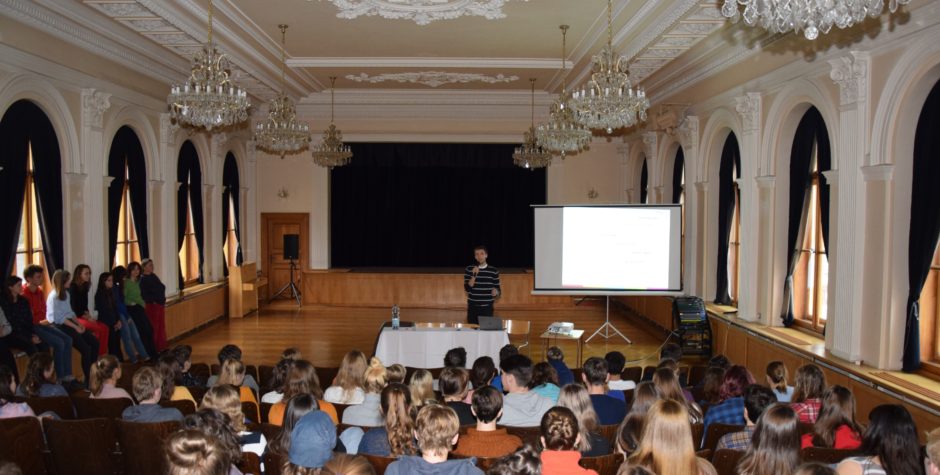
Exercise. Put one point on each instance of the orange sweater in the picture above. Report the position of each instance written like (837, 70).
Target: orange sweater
(488, 444)
(276, 416)
(562, 462)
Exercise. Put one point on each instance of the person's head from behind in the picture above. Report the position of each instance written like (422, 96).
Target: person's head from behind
(809, 384)
(422, 387)
(147, 385)
(517, 372)
(719, 361)
(169, 368)
(482, 372)
(225, 399)
(775, 445)
(814, 468)
(506, 351)
(453, 383)
(215, 424)
(302, 379)
(837, 410)
(644, 396)
(34, 275)
(524, 461)
(39, 370)
(615, 362)
(734, 382)
(487, 404)
(757, 399)
(436, 429)
(892, 437)
(345, 464)
(193, 452)
(297, 407)
(671, 351)
(666, 445)
(229, 352)
(559, 429)
(396, 405)
(312, 442)
(375, 377)
(396, 373)
(184, 354)
(667, 384)
(233, 372)
(577, 399)
(480, 254)
(554, 353)
(777, 376)
(456, 357)
(278, 378)
(594, 372)
(543, 373)
(291, 354)
(106, 370)
(352, 370)
(711, 384)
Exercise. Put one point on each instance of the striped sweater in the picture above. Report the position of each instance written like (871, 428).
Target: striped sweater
(482, 291)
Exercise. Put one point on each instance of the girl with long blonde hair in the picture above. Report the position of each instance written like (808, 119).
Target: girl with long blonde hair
(233, 373)
(666, 447)
(347, 388)
(369, 413)
(397, 437)
(422, 388)
(576, 398)
(775, 445)
(301, 379)
(59, 313)
(105, 374)
(666, 382)
(225, 399)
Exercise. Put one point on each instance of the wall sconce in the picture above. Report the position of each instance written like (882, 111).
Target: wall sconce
(592, 194)
(283, 193)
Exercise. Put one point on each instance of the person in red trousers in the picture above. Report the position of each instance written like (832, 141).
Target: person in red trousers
(78, 293)
(153, 291)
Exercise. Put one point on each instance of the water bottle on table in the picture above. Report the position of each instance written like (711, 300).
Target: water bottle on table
(395, 317)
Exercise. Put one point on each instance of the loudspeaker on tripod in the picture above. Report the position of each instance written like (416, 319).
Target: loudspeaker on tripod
(291, 246)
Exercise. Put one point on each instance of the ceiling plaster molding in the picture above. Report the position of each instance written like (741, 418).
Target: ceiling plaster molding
(422, 12)
(432, 78)
(425, 97)
(366, 137)
(463, 63)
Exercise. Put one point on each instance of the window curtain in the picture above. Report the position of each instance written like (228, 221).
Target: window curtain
(678, 168)
(925, 220)
(126, 149)
(189, 176)
(644, 182)
(14, 135)
(730, 158)
(230, 189)
(809, 133)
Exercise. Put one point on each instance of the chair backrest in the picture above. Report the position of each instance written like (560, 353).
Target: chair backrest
(628, 397)
(92, 441)
(826, 455)
(698, 432)
(200, 371)
(696, 375)
(183, 405)
(716, 431)
(251, 411)
(632, 373)
(603, 465)
(265, 411)
(270, 431)
(60, 405)
(529, 435)
(23, 444)
(198, 392)
(253, 371)
(215, 369)
(126, 381)
(517, 327)
(726, 461)
(340, 409)
(326, 376)
(142, 445)
(609, 432)
(577, 372)
(88, 408)
(648, 373)
(265, 373)
(379, 463)
(698, 393)
(250, 463)
(272, 462)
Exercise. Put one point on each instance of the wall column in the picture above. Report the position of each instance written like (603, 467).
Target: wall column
(163, 205)
(688, 132)
(765, 250)
(748, 107)
(698, 237)
(212, 250)
(882, 333)
(90, 225)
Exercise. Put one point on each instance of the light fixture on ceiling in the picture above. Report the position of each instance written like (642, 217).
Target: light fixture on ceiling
(530, 155)
(608, 100)
(812, 18)
(562, 133)
(281, 132)
(208, 99)
(331, 152)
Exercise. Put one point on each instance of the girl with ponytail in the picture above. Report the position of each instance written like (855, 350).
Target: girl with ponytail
(105, 374)
(397, 437)
(369, 413)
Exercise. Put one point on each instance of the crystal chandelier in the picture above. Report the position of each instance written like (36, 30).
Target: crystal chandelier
(281, 133)
(608, 101)
(331, 152)
(530, 155)
(810, 17)
(208, 99)
(562, 133)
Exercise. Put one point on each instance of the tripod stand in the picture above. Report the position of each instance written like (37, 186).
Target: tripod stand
(290, 287)
(607, 327)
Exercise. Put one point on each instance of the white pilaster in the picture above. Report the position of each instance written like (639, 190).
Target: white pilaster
(697, 279)
(212, 250)
(250, 233)
(162, 214)
(623, 153)
(748, 107)
(765, 246)
(93, 224)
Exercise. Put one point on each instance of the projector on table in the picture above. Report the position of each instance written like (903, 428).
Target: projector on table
(561, 328)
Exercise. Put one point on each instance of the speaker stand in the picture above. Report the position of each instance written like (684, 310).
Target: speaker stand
(607, 327)
(289, 288)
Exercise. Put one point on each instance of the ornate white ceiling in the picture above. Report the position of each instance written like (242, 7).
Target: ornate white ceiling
(422, 12)
(432, 78)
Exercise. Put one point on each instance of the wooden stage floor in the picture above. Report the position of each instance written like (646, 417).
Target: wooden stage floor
(324, 334)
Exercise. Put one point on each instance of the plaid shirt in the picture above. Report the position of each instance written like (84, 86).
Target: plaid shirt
(808, 410)
(737, 440)
(731, 411)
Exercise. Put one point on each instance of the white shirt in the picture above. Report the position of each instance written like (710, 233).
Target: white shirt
(272, 397)
(622, 385)
(336, 395)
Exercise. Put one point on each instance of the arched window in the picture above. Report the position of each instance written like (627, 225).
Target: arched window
(729, 223)
(127, 199)
(189, 216)
(644, 184)
(231, 223)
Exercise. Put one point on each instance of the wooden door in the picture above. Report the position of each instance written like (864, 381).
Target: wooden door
(277, 269)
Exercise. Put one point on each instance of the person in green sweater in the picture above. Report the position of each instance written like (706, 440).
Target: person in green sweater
(134, 301)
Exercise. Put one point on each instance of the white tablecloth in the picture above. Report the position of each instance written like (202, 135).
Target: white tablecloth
(425, 348)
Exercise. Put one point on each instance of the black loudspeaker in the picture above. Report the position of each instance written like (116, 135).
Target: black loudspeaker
(291, 246)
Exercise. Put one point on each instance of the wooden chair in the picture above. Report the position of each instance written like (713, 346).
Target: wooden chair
(704, 454)
(200, 371)
(648, 373)
(250, 464)
(272, 462)
(628, 397)
(60, 405)
(198, 392)
(125, 382)
(805, 428)
(698, 433)
(215, 369)
(603, 465)
(576, 372)
(270, 431)
(436, 373)
(23, 444)
(609, 432)
(529, 435)
(726, 461)
(340, 409)
(696, 375)
(265, 411)
(265, 373)
(378, 462)
(518, 328)
(326, 376)
(184, 406)
(697, 393)
(93, 442)
(826, 455)
(632, 373)
(716, 431)
(251, 411)
(140, 442)
(88, 408)
(253, 371)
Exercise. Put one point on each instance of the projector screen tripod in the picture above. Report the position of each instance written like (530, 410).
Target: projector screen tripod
(607, 327)
(290, 288)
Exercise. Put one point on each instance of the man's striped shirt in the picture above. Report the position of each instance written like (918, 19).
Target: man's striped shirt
(482, 291)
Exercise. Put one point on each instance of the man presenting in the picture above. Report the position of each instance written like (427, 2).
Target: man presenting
(481, 282)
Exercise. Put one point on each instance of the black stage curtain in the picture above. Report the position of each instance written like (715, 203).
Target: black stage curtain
(809, 133)
(189, 176)
(230, 189)
(678, 169)
(644, 182)
(428, 204)
(24, 123)
(126, 150)
(730, 161)
(925, 220)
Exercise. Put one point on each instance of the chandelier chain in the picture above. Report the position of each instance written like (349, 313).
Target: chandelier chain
(209, 29)
(281, 132)
(283, 28)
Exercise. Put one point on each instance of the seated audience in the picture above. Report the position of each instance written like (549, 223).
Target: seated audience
(105, 374)
(816, 468)
(275, 387)
(193, 452)
(224, 398)
(297, 407)
(521, 407)
(504, 353)
(31, 294)
(807, 395)
(216, 424)
(666, 447)
(397, 437)
(486, 440)
(369, 413)
(556, 358)
(670, 351)
(8, 407)
(560, 439)
(343, 464)
(183, 354)
(666, 382)
(610, 410)
(777, 377)
(312, 442)
(347, 389)
(483, 373)
(674, 366)
(436, 429)
(775, 448)
(615, 362)
(40, 380)
(233, 374)
(591, 443)
(731, 408)
(78, 292)
(453, 383)
(757, 399)
(545, 381)
(232, 352)
(169, 369)
(525, 461)
(631, 429)
(396, 373)
(835, 428)
(148, 388)
(301, 379)
(456, 358)
(889, 445)
(59, 313)
(711, 386)
(16, 325)
(422, 388)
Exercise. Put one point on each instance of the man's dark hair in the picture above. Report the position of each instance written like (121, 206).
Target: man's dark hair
(480, 247)
(595, 370)
(230, 352)
(182, 353)
(456, 358)
(615, 361)
(32, 270)
(719, 361)
(506, 352)
(671, 351)
(756, 399)
(487, 402)
(554, 353)
(520, 367)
